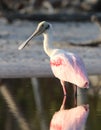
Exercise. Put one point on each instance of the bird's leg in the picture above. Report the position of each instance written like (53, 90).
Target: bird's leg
(63, 103)
(63, 86)
(75, 95)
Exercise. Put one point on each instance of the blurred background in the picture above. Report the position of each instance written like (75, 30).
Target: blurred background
(29, 103)
(52, 6)
(12, 9)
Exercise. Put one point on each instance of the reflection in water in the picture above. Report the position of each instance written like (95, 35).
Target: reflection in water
(51, 95)
(39, 104)
(70, 119)
(13, 107)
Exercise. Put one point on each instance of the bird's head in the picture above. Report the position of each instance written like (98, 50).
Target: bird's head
(42, 28)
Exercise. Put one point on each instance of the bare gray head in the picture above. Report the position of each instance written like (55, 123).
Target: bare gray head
(42, 28)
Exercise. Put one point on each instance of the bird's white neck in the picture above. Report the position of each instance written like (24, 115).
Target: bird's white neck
(48, 44)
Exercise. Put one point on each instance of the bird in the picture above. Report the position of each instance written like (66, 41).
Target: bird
(70, 119)
(66, 66)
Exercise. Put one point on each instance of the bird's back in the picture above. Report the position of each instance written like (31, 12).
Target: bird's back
(69, 67)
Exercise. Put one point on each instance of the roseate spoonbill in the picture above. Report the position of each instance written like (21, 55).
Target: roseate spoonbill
(72, 119)
(65, 65)
(69, 119)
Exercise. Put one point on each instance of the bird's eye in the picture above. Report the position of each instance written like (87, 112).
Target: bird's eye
(47, 27)
(42, 25)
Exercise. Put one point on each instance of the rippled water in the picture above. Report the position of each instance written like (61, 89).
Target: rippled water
(37, 104)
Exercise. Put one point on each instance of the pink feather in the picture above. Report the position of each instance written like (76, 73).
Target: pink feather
(72, 119)
(69, 67)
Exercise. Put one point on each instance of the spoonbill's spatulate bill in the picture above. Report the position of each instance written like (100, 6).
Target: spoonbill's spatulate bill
(66, 66)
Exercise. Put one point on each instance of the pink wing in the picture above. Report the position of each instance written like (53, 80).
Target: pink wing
(69, 67)
(72, 119)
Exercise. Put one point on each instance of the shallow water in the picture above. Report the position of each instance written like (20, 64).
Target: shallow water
(38, 104)
(34, 106)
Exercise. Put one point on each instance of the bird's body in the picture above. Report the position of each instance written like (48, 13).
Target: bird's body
(72, 119)
(69, 67)
(66, 66)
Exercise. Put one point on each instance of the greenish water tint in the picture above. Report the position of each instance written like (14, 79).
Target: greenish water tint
(50, 96)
